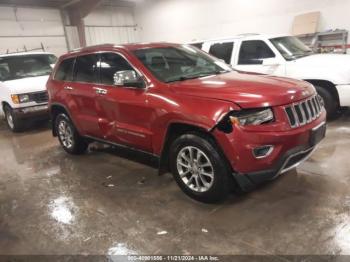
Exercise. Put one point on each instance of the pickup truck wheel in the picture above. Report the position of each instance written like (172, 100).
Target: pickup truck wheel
(12, 122)
(329, 102)
(199, 169)
(68, 136)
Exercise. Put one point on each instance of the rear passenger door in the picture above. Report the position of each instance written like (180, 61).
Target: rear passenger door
(257, 56)
(81, 94)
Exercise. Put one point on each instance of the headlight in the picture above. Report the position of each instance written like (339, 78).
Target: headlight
(24, 98)
(17, 99)
(253, 118)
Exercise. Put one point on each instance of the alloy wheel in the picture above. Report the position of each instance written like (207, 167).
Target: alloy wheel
(195, 169)
(65, 133)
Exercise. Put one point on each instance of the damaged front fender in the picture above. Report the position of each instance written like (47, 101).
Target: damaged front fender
(223, 123)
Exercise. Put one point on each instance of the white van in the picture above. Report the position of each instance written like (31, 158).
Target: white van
(23, 94)
(287, 56)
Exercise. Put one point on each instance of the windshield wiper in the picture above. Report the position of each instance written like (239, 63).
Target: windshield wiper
(44, 74)
(221, 72)
(302, 55)
(36, 75)
(183, 78)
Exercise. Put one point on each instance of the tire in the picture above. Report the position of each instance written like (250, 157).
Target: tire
(13, 123)
(192, 180)
(68, 136)
(330, 103)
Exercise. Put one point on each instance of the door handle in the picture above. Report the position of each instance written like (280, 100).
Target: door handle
(68, 88)
(100, 91)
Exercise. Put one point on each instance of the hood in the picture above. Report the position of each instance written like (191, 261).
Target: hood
(27, 85)
(324, 60)
(248, 90)
(331, 67)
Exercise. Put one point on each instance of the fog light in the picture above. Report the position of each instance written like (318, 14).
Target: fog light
(262, 151)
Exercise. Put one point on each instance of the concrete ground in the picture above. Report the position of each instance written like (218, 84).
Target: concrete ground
(113, 202)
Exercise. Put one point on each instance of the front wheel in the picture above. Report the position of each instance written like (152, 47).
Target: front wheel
(199, 169)
(13, 123)
(68, 136)
(330, 103)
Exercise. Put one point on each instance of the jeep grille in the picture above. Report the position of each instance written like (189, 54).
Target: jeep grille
(304, 112)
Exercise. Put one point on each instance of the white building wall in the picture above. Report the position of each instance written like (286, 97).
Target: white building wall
(111, 24)
(189, 20)
(72, 37)
(28, 28)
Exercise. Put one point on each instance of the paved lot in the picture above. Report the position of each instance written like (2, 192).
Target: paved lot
(112, 201)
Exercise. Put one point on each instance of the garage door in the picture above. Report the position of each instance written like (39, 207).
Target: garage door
(29, 28)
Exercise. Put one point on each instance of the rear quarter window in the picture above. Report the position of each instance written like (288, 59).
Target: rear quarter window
(65, 70)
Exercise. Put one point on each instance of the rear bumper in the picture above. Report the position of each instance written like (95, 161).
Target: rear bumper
(33, 112)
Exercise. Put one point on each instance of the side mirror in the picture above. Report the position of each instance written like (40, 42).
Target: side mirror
(271, 62)
(128, 78)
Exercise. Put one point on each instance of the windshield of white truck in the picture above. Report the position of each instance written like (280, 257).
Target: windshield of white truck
(290, 47)
(180, 63)
(23, 66)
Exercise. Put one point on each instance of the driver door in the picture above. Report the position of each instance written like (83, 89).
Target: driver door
(124, 114)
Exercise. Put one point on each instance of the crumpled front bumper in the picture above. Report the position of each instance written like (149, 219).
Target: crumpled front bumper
(288, 161)
(290, 148)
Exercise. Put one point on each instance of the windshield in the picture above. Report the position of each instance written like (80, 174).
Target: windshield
(170, 64)
(291, 47)
(22, 66)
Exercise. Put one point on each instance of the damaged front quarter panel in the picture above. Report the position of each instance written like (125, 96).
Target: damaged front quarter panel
(223, 123)
(206, 119)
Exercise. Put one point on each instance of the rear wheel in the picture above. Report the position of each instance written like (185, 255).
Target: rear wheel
(68, 136)
(199, 169)
(13, 123)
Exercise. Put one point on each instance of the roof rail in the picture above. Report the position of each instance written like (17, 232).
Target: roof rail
(90, 47)
(75, 50)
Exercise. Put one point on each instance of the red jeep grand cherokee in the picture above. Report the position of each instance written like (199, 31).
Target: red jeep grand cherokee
(209, 125)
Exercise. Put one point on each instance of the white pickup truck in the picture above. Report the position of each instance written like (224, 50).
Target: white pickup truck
(287, 56)
(23, 94)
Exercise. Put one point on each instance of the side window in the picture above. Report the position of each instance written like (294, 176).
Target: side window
(222, 51)
(253, 52)
(86, 69)
(65, 70)
(110, 64)
(198, 45)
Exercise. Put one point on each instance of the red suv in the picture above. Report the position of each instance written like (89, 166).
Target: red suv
(211, 126)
